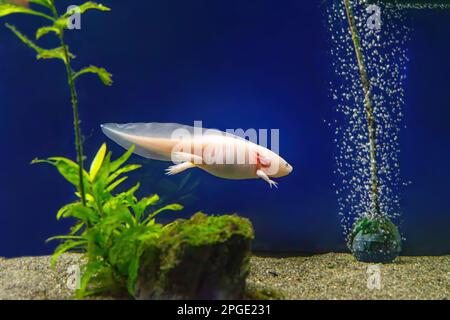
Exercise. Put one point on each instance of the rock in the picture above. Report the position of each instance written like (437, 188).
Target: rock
(205, 257)
(375, 240)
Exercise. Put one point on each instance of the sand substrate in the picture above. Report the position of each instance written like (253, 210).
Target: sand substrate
(340, 276)
(324, 276)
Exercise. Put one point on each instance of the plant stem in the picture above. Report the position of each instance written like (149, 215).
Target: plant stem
(371, 124)
(76, 117)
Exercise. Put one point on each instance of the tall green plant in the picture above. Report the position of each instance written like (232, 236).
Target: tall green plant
(365, 84)
(58, 23)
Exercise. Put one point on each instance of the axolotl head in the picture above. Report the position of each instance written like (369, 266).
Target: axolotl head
(273, 165)
(284, 168)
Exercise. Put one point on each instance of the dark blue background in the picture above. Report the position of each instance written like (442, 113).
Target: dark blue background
(232, 64)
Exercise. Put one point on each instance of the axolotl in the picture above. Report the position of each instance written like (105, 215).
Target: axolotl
(221, 154)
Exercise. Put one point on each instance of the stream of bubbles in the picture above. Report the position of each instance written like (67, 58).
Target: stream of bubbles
(385, 55)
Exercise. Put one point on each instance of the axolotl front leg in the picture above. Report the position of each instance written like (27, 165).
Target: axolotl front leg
(263, 162)
(266, 178)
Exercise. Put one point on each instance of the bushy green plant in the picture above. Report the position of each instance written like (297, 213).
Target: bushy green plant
(58, 23)
(113, 229)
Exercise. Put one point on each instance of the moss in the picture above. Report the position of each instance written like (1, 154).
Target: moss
(376, 226)
(202, 229)
(375, 240)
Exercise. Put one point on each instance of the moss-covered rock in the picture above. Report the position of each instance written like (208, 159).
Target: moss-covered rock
(375, 240)
(205, 257)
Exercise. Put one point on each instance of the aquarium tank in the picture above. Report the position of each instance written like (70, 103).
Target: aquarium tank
(224, 150)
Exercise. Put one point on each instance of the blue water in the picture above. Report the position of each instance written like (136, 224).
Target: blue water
(231, 64)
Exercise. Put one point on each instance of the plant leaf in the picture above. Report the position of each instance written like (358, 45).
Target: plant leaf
(68, 169)
(127, 168)
(24, 39)
(128, 196)
(97, 162)
(114, 185)
(8, 8)
(89, 6)
(70, 237)
(116, 213)
(74, 230)
(61, 22)
(80, 212)
(64, 209)
(100, 183)
(44, 30)
(64, 247)
(133, 270)
(120, 161)
(171, 207)
(56, 53)
(140, 207)
(89, 196)
(102, 73)
(96, 275)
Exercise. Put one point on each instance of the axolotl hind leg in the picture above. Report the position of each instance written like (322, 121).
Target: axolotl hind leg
(170, 171)
(187, 161)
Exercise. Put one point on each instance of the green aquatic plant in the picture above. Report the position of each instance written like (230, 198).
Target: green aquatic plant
(370, 239)
(374, 222)
(58, 23)
(111, 228)
(368, 104)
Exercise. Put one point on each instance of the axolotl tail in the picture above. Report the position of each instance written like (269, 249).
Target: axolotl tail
(152, 140)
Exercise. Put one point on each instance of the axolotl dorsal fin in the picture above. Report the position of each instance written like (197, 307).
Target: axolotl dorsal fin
(151, 140)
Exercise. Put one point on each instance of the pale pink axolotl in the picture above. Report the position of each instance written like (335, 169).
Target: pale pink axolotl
(221, 154)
